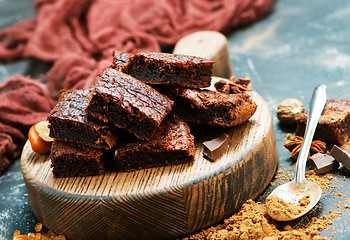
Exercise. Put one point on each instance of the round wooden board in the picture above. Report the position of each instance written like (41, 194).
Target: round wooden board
(161, 202)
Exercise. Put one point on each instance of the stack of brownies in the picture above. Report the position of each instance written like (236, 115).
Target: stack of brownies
(123, 113)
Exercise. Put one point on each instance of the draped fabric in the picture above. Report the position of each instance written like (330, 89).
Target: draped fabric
(78, 38)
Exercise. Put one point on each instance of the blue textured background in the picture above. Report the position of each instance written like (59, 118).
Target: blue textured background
(298, 45)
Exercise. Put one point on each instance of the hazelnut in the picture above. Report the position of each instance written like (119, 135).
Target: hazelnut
(288, 109)
(39, 137)
(43, 130)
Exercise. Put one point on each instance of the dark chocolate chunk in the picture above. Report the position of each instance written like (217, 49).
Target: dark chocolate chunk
(323, 163)
(214, 148)
(341, 156)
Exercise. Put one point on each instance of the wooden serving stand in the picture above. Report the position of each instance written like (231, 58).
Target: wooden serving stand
(161, 202)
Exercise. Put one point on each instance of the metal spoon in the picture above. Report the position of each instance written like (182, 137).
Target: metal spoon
(299, 187)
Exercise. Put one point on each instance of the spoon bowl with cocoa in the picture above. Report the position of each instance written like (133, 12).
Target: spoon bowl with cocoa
(294, 199)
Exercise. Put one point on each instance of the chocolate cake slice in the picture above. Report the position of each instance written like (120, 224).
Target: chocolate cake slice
(334, 124)
(76, 160)
(128, 103)
(69, 122)
(171, 144)
(211, 107)
(166, 68)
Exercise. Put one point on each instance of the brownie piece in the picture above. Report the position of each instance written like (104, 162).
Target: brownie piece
(128, 103)
(172, 144)
(211, 107)
(119, 59)
(69, 122)
(166, 68)
(76, 160)
(334, 124)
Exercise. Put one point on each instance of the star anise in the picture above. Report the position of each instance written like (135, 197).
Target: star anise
(294, 146)
(233, 85)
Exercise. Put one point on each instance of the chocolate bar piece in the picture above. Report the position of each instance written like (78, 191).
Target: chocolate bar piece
(341, 156)
(323, 163)
(214, 148)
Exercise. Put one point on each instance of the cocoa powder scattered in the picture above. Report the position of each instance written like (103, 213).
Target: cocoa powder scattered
(253, 222)
(323, 181)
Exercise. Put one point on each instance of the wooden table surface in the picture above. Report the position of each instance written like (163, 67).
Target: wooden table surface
(299, 45)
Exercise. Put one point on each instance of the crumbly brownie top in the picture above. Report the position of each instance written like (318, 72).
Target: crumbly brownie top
(172, 135)
(119, 59)
(334, 111)
(71, 106)
(337, 105)
(131, 93)
(207, 97)
(203, 106)
(175, 58)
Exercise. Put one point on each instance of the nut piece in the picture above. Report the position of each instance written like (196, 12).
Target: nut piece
(288, 109)
(37, 142)
(43, 130)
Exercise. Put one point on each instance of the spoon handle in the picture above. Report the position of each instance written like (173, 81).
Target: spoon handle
(318, 101)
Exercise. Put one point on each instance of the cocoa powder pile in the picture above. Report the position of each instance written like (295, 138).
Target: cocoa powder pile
(253, 222)
(278, 209)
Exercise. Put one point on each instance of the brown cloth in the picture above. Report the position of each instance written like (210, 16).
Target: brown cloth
(79, 36)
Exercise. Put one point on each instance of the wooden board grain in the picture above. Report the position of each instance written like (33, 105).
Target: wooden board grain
(156, 203)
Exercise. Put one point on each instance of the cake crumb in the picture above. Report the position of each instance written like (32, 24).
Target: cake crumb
(339, 195)
(304, 201)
